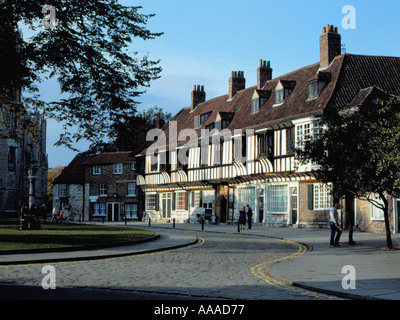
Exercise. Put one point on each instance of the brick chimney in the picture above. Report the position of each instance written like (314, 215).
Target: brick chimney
(198, 96)
(237, 82)
(264, 73)
(330, 45)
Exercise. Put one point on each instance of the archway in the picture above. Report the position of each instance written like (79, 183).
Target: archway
(221, 209)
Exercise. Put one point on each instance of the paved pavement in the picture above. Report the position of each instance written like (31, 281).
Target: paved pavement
(317, 266)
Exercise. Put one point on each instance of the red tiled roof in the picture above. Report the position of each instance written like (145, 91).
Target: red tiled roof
(346, 76)
(112, 157)
(74, 173)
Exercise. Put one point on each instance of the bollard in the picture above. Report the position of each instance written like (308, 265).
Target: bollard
(173, 222)
(126, 220)
(238, 227)
(202, 224)
(149, 221)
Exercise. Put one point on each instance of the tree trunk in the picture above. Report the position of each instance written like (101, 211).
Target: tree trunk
(389, 243)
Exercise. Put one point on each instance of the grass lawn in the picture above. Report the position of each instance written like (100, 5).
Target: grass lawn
(54, 235)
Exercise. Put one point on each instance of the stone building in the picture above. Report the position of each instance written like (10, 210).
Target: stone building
(70, 189)
(23, 170)
(242, 148)
(98, 188)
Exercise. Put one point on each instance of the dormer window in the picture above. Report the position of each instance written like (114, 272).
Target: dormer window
(279, 96)
(313, 90)
(316, 85)
(283, 90)
(204, 117)
(260, 97)
(197, 122)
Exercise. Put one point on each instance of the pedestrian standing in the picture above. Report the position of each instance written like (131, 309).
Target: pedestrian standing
(336, 232)
(242, 218)
(249, 215)
(61, 215)
(54, 215)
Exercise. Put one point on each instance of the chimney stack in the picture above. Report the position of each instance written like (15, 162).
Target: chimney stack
(237, 82)
(330, 45)
(264, 73)
(198, 96)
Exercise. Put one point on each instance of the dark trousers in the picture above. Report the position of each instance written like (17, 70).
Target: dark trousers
(249, 218)
(335, 231)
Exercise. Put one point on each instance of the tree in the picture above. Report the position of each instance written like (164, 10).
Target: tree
(358, 152)
(130, 134)
(53, 174)
(86, 51)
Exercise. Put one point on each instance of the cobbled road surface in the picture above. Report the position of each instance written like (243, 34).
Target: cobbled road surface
(221, 265)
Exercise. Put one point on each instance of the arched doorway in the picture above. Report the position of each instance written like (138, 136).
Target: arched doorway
(221, 209)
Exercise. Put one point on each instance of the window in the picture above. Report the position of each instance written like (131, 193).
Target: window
(303, 133)
(63, 190)
(99, 209)
(131, 211)
(277, 199)
(12, 160)
(154, 166)
(211, 126)
(118, 168)
(246, 197)
(103, 189)
(290, 141)
(255, 105)
(204, 117)
(151, 201)
(279, 96)
(197, 122)
(181, 201)
(322, 196)
(266, 144)
(376, 213)
(239, 148)
(132, 189)
(313, 90)
(318, 130)
(78, 189)
(96, 170)
(225, 123)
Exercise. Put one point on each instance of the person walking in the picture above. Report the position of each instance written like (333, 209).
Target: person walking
(242, 218)
(249, 215)
(336, 232)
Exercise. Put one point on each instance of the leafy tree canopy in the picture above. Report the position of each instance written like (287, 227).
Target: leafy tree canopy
(87, 52)
(358, 152)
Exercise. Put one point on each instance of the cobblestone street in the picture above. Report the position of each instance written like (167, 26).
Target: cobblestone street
(221, 265)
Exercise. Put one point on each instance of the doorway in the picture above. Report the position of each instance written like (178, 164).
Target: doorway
(166, 205)
(113, 212)
(221, 209)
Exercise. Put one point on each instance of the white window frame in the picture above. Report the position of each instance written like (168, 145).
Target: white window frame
(96, 170)
(63, 190)
(103, 189)
(99, 210)
(323, 199)
(118, 168)
(270, 200)
(151, 201)
(131, 211)
(131, 189)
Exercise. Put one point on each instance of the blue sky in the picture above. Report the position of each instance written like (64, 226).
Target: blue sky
(205, 40)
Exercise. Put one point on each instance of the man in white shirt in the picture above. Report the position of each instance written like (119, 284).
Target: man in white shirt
(334, 223)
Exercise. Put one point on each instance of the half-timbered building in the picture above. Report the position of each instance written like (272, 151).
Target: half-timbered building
(219, 155)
